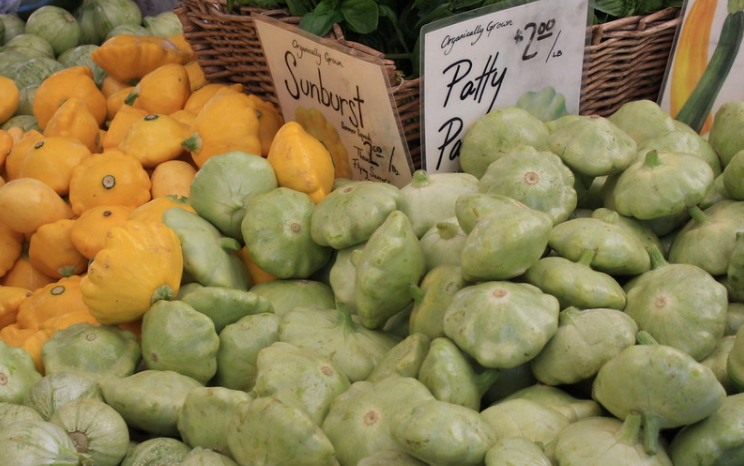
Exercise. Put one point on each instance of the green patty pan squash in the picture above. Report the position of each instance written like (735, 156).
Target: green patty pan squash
(98, 351)
(269, 431)
(505, 243)
(576, 283)
(431, 299)
(13, 412)
(96, 428)
(732, 176)
(404, 359)
(443, 243)
(209, 257)
(31, 443)
(452, 376)
(276, 231)
(593, 146)
(338, 335)
(240, 344)
(617, 251)
(55, 390)
(643, 119)
(149, 400)
(391, 261)
(519, 417)
(560, 400)
(725, 134)
(686, 142)
(470, 208)
(585, 340)
(518, 450)
(205, 414)
(164, 450)
(18, 371)
(282, 367)
(660, 184)
(349, 214)
(285, 295)
(537, 179)
(442, 433)
(224, 184)
(358, 421)
(607, 441)
(176, 337)
(430, 197)
(677, 390)
(707, 240)
(226, 305)
(680, 305)
(633, 225)
(501, 324)
(492, 135)
(716, 440)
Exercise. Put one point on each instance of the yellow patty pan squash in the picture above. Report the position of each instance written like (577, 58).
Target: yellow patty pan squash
(163, 90)
(227, 122)
(75, 81)
(140, 264)
(301, 162)
(126, 56)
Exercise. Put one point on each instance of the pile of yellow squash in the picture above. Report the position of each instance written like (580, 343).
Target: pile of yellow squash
(102, 167)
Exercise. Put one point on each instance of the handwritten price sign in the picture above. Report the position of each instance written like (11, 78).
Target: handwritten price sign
(490, 59)
(343, 98)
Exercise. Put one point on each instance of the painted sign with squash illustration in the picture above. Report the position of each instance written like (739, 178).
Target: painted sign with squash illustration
(707, 62)
(340, 97)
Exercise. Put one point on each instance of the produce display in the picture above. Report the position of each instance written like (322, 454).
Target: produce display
(186, 278)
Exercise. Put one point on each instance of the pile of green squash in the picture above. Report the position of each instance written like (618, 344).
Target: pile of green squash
(574, 296)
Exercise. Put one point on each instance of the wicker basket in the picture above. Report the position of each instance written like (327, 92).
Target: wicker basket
(625, 60)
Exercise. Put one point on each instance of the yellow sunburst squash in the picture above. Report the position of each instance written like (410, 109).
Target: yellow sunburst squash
(140, 264)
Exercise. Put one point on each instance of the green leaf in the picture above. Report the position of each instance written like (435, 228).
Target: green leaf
(618, 8)
(360, 15)
(300, 7)
(320, 23)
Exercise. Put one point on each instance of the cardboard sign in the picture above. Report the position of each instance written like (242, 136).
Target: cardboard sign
(692, 52)
(491, 58)
(342, 97)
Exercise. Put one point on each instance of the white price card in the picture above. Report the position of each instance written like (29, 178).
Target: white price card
(529, 53)
(341, 96)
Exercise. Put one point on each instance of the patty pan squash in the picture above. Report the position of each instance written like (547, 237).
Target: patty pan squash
(140, 264)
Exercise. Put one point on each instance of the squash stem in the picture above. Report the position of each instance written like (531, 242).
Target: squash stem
(193, 143)
(698, 215)
(447, 230)
(567, 315)
(417, 293)
(587, 256)
(344, 316)
(656, 256)
(164, 293)
(652, 159)
(645, 338)
(651, 433)
(420, 179)
(486, 379)
(129, 100)
(631, 428)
